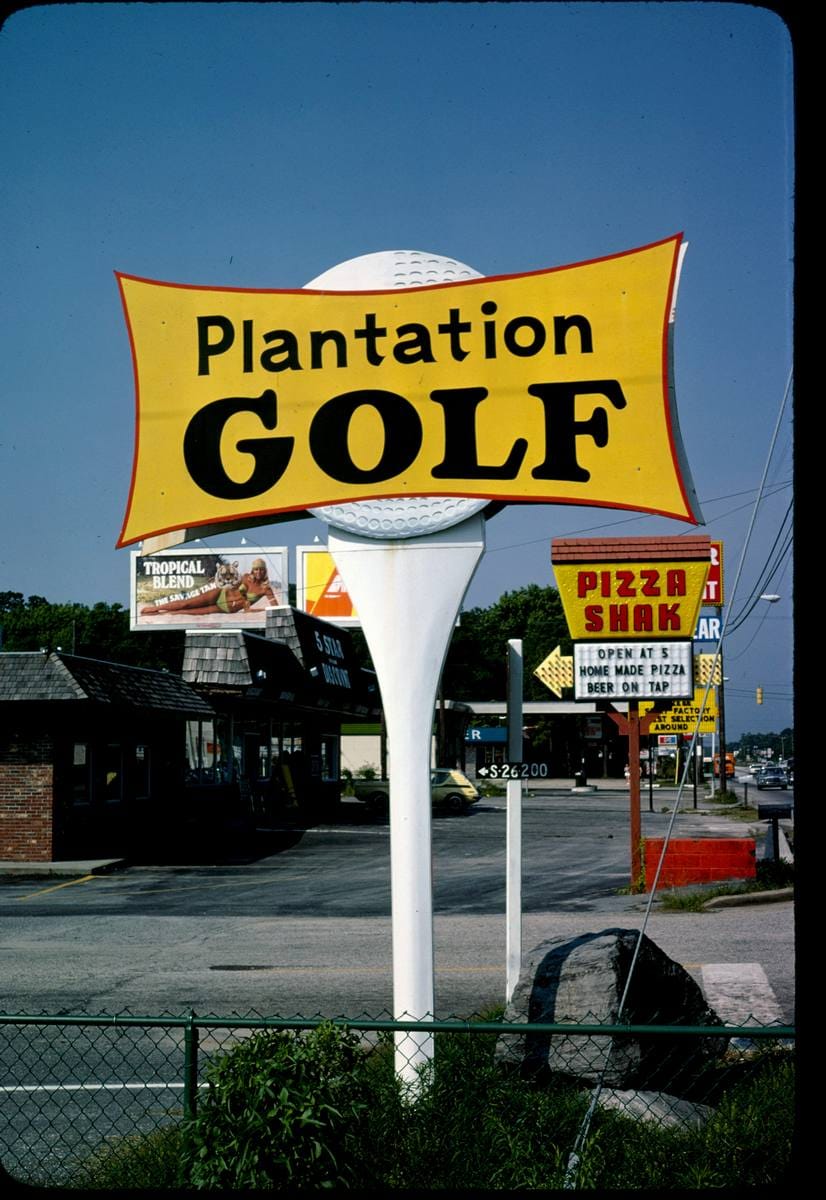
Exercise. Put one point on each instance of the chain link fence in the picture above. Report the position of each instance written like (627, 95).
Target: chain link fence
(78, 1089)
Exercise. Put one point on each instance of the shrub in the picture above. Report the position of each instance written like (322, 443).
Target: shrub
(773, 875)
(284, 1109)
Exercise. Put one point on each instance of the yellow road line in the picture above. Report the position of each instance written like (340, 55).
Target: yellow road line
(187, 887)
(57, 886)
(200, 887)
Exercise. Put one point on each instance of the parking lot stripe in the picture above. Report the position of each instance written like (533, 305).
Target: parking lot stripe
(57, 886)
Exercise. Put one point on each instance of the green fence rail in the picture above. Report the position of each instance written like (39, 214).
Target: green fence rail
(74, 1088)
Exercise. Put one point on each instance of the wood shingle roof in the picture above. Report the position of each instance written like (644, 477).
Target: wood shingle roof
(39, 677)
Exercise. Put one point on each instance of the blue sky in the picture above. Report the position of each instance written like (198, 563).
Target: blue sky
(257, 145)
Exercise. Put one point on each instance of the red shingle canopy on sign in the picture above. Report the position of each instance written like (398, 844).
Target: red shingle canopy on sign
(696, 547)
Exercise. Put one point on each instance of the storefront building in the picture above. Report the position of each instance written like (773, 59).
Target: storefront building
(91, 761)
(269, 755)
(102, 760)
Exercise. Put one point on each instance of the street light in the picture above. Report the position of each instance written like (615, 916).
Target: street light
(771, 598)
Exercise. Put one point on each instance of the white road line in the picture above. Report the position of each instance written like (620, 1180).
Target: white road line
(94, 1087)
(740, 994)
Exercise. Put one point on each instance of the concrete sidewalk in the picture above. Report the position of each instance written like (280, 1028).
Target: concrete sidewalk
(71, 869)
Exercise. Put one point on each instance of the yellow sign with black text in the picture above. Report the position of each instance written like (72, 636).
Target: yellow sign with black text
(550, 386)
(683, 715)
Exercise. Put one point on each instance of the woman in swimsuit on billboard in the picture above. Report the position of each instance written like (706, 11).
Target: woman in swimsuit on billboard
(234, 598)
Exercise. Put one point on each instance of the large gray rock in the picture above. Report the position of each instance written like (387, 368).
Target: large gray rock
(576, 981)
(657, 1108)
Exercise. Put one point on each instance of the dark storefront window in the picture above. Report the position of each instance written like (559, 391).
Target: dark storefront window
(330, 758)
(81, 774)
(208, 751)
(142, 757)
(264, 765)
(113, 774)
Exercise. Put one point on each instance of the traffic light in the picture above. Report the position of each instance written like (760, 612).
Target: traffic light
(759, 695)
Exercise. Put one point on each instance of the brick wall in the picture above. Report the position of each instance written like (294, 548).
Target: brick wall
(26, 797)
(699, 860)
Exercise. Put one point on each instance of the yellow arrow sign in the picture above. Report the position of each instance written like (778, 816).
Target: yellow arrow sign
(556, 672)
(706, 667)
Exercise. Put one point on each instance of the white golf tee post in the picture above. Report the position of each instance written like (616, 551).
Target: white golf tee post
(408, 593)
(513, 840)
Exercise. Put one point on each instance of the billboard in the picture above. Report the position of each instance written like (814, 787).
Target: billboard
(229, 588)
(623, 588)
(320, 590)
(549, 386)
(684, 716)
(713, 591)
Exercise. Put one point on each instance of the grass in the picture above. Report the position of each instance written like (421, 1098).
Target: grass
(144, 1162)
(731, 806)
(480, 1127)
(770, 877)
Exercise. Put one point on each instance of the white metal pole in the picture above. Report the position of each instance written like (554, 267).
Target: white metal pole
(408, 594)
(513, 885)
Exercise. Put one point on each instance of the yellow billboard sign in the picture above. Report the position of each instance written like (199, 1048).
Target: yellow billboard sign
(321, 590)
(624, 589)
(683, 715)
(549, 386)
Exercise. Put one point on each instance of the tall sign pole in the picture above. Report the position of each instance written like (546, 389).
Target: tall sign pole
(513, 898)
(408, 595)
(721, 706)
(407, 564)
(634, 791)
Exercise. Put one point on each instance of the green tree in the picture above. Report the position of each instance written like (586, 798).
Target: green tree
(101, 631)
(476, 666)
(750, 744)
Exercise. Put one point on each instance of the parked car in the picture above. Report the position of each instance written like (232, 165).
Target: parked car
(773, 777)
(449, 789)
(452, 790)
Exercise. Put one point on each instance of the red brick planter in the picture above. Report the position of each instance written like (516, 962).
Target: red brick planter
(699, 860)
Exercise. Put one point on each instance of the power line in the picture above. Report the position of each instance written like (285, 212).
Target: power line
(772, 491)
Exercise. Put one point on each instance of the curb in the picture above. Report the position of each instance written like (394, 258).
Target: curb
(49, 870)
(750, 898)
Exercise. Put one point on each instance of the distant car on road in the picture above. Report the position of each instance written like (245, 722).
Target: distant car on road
(449, 790)
(772, 777)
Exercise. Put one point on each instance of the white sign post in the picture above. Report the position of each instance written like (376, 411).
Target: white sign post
(513, 897)
(407, 564)
(408, 595)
